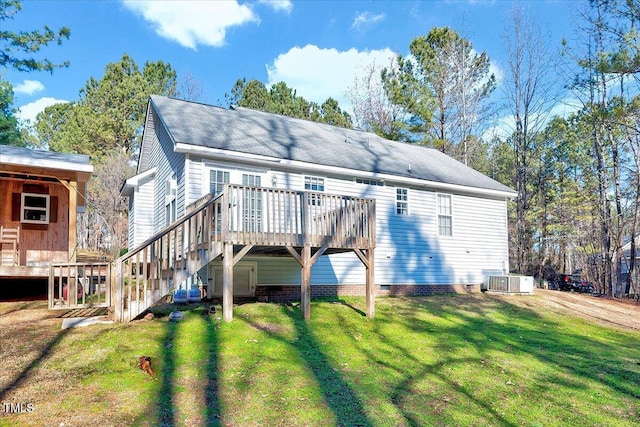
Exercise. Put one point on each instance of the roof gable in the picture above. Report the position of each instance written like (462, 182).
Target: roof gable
(248, 131)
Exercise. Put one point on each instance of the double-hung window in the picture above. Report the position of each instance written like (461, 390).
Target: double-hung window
(252, 203)
(217, 180)
(170, 192)
(402, 201)
(445, 215)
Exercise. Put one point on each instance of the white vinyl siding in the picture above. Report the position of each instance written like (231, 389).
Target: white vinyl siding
(408, 251)
(141, 213)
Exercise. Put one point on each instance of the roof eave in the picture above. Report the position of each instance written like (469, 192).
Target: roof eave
(221, 154)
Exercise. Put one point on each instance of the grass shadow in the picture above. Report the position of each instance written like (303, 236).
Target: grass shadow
(339, 396)
(165, 406)
(48, 349)
(165, 411)
(490, 325)
(213, 411)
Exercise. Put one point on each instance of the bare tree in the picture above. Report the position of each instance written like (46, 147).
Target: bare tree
(527, 87)
(372, 109)
(104, 225)
(190, 89)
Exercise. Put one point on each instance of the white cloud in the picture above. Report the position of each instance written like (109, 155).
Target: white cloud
(193, 23)
(367, 18)
(28, 112)
(278, 5)
(317, 74)
(28, 87)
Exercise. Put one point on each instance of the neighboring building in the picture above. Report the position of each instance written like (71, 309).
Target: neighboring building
(621, 288)
(440, 225)
(41, 193)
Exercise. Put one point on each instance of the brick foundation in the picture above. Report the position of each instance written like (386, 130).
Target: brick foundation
(292, 293)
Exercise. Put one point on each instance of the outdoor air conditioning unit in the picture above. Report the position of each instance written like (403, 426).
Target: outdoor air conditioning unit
(510, 284)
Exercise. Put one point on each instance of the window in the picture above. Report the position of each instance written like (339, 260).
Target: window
(313, 183)
(252, 203)
(445, 218)
(34, 208)
(366, 181)
(217, 180)
(251, 180)
(170, 190)
(402, 201)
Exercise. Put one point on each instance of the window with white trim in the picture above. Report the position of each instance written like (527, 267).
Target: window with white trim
(170, 192)
(217, 180)
(252, 203)
(368, 181)
(34, 208)
(314, 183)
(402, 201)
(445, 215)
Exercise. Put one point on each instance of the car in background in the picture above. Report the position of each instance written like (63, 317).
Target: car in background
(583, 286)
(572, 283)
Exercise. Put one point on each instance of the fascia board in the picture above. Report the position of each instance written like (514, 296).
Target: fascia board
(294, 165)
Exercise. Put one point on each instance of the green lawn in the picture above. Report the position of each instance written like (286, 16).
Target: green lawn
(461, 360)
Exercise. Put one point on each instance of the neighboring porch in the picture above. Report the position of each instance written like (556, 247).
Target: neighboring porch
(241, 221)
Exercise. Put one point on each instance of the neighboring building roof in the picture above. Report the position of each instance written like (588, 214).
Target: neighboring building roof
(258, 133)
(25, 158)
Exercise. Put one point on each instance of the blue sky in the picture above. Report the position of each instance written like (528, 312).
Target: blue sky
(316, 47)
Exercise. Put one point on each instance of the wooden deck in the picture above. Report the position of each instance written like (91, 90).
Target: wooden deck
(245, 220)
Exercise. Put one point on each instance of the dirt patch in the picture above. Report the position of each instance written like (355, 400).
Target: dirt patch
(603, 310)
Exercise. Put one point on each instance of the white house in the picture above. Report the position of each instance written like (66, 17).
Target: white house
(440, 226)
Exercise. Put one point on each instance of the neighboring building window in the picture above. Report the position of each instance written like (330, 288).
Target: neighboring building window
(217, 180)
(366, 181)
(445, 217)
(34, 208)
(402, 201)
(313, 183)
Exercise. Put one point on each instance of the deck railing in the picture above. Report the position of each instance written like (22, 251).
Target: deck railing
(266, 216)
(80, 285)
(148, 273)
(240, 215)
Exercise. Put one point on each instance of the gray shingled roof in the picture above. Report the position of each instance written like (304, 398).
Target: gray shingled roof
(256, 132)
(13, 155)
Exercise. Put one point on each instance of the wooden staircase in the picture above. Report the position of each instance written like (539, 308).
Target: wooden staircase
(167, 260)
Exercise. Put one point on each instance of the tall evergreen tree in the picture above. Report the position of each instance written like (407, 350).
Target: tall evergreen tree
(442, 85)
(283, 100)
(109, 115)
(16, 48)
(9, 133)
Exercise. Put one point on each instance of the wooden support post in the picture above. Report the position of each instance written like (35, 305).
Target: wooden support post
(227, 282)
(370, 289)
(305, 285)
(367, 259)
(73, 208)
